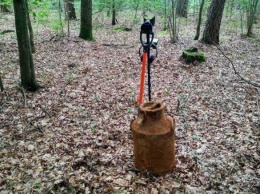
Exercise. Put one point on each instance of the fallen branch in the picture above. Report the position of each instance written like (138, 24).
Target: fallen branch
(24, 96)
(98, 11)
(6, 31)
(45, 111)
(118, 45)
(233, 66)
(178, 105)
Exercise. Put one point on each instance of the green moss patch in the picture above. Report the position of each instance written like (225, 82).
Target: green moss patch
(191, 55)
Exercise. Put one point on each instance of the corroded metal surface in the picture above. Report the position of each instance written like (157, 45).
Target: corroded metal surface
(153, 136)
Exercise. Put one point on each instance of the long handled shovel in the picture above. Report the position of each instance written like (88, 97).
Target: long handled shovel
(141, 94)
(147, 31)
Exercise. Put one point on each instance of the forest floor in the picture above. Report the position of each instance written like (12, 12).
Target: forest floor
(73, 135)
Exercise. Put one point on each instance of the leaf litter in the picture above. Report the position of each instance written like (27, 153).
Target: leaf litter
(73, 135)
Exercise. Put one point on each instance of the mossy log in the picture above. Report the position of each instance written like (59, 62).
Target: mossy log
(191, 55)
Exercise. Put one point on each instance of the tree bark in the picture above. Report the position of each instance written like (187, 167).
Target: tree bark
(231, 6)
(60, 18)
(70, 10)
(165, 15)
(199, 22)
(136, 6)
(251, 12)
(212, 27)
(113, 13)
(4, 8)
(172, 22)
(86, 20)
(27, 72)
(30, 28)
(182, 8)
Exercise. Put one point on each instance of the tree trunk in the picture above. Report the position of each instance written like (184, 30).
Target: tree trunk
(70, 10)
(136, 6)
(4, 8)
(86, 20)
(60, 10)
(113, 13)
(165, 15)
(28, 80)
(199, 22)
(251, 12)
(212, 27)
(172, 22)
(30, 28)
(182, 8)
(232, 4)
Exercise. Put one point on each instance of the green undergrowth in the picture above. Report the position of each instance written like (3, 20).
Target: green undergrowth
(192, 54)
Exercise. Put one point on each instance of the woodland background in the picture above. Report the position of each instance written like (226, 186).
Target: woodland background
(72, 135)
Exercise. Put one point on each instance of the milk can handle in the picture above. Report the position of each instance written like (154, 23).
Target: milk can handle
(141, 117)
(172, 123)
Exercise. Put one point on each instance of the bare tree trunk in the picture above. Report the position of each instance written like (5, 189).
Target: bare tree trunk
(4, 8)
(70, 10)
(241, 11)
(182, 8)
(199, 22)
(28, 80)
(231, 8)
(113, 13)
(30, 28)
(173, 22)
(86, 20)
(212, 27)
(251, 12)
(137, 2)
(165, 15)
(61, 25)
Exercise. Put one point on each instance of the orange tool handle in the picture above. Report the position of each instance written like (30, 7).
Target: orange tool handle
(144, 59)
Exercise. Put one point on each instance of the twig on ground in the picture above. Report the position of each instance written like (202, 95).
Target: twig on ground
(39, 128)
(6, 31)
(44, 110)
(24, 96)
(178, 105)
(98, 11)
(257, 103)
(233, 66)
(118, 45)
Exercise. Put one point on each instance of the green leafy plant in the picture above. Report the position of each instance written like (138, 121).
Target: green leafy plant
(37, 186)
(56, 25)
(72, 190)
(69, 78)
(129, 111)
(6, 2)
(40, 10)
(93, 127)
(164, 33)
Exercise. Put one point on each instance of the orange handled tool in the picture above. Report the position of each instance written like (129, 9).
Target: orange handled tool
(144, 60)
(147, 30)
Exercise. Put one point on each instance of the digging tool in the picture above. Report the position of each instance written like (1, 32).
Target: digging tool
(148, 34)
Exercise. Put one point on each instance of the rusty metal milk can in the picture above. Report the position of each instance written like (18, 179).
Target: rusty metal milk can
(153, 136)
